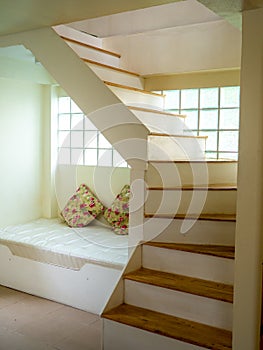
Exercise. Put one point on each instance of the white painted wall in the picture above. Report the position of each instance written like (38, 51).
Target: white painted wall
(105, 182)
(20, 151)
(212, 45)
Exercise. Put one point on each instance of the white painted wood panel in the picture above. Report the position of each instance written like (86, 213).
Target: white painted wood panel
(137, 98)
(199, 231)
(118, 336)
(93, 54)
(188, 264)
(114, 76)
(161, 123)
(185, 305)
(175, 148)
(198, 173)
(178, 201)
(87, 289)
(75, 34)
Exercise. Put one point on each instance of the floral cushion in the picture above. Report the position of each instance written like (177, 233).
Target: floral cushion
(82, 208)
(118, 213)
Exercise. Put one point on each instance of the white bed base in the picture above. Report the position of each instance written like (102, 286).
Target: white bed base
(87, 289)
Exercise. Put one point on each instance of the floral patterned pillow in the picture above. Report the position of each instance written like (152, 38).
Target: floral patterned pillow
(118, 213)
(82, 208)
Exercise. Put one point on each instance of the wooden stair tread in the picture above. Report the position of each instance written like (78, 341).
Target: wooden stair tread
(207, 217)
(170, 326)
(74, 41)
(210, 161)
(131, 88)
(210, 187)
(110, 67)
(143, 109)
(221, 251)
(175, 135)
(186, 284)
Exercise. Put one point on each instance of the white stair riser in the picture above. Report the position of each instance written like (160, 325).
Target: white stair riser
(117, 336)
(74, 34)
(178, 202)
(161, 123)
(175, 148)
(131, 97)
(199, 231)
(117, 77)
(94, 55)
(185, 305)
(189, 264)
(179, 174)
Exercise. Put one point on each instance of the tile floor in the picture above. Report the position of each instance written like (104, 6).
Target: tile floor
(31, 323)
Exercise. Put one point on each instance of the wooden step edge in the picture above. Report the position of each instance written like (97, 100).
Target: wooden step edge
(181, 136)
(195, 161)
(205, 217)
(220, 251)
(170, 326)
(185, 284)
(210, 187)
(109, 67)
(132, 89)
(135, 108)
(74, 41)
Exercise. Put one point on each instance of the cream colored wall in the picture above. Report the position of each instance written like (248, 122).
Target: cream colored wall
(50, 111)
(191, 80)
(249, 231)
(23, 70)
(207, 46)
(21, 151)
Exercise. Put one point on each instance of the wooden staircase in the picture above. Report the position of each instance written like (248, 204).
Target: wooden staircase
(177, 290)
(181, 294)
(167, 138)
(167, 297)
(197, 335)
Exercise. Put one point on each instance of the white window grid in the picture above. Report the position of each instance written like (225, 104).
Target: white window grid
(80, 142)
(212, 112)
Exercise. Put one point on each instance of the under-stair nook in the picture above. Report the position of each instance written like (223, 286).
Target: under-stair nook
(193, 254)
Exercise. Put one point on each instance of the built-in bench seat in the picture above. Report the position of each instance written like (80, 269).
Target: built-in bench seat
(52, 241)
(74, 266)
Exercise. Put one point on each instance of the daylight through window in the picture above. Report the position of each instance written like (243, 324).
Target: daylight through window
(212, 112)
(80, 142)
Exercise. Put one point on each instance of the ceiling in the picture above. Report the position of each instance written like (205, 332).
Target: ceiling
(23, 15)
(228, 9)
(177, 14)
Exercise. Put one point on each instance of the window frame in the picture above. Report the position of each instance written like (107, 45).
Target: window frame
(213, 153)
(66, 145)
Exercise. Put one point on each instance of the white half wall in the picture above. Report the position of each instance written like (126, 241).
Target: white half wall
(105, 182)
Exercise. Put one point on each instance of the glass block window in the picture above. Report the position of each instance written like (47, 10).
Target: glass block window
(212, 112)
(80, 142)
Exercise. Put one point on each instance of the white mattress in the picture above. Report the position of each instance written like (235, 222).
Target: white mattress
(51, 241)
